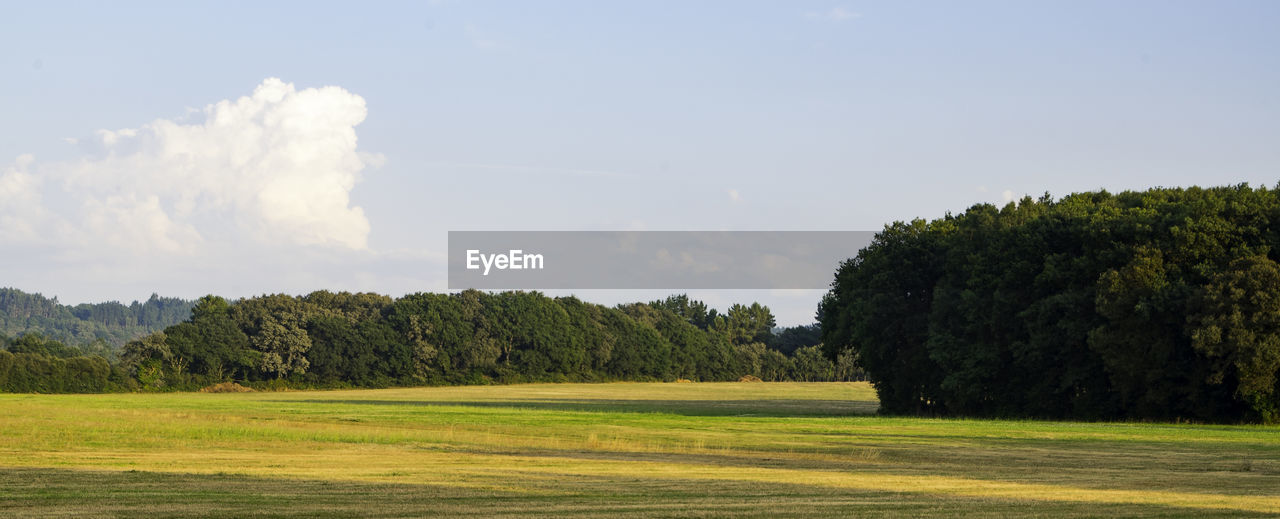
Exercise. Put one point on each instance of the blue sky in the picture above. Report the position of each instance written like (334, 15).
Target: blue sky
(585, 115)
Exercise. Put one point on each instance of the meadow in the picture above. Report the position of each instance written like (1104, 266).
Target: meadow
(606, 450)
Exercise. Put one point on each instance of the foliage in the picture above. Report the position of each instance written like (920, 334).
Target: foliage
(1157, 304)
(110, 323)
(327, 339)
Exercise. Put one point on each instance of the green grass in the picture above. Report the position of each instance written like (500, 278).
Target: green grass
(605, 450)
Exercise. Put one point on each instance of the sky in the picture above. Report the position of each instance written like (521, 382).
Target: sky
(242, 148)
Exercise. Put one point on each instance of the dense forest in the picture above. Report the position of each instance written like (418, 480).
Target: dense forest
(1162, 304)
(103, 326)
(327, 339)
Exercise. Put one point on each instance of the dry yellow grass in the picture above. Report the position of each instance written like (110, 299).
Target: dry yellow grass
(226, 387)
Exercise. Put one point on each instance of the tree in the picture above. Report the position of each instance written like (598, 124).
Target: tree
(337, 353)
(747, 324)
(37, 343)
(283, 348)
(879, 307)
(1152, 304)
(1237, 329)
(810, 365)
(695, 312)
(276, 327)
(793, 338)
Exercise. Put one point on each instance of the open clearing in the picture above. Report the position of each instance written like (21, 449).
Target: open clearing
(605, 450)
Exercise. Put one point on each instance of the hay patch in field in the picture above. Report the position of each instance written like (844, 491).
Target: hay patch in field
(226, 387)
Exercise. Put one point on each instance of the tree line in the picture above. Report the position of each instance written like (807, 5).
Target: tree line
(340, 339)
(103, 327)
(1160, 304)
(33, 363)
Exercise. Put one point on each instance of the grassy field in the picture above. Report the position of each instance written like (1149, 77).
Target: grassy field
(605, 450)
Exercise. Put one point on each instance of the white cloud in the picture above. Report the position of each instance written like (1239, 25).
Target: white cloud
(1008, 196)
(274, 167)
(734, 195)
(140, 221)
(21, 210)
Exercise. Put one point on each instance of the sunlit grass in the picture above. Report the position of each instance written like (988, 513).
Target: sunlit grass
(609, 449)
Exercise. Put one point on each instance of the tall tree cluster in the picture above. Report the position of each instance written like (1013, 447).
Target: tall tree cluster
(1160, 304)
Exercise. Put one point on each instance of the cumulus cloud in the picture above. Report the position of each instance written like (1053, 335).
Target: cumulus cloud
(273, 167)
(21, 211)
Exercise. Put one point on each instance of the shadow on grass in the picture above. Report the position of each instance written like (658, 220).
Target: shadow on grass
(763, 408)
(95, 493)
(1085, 471)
